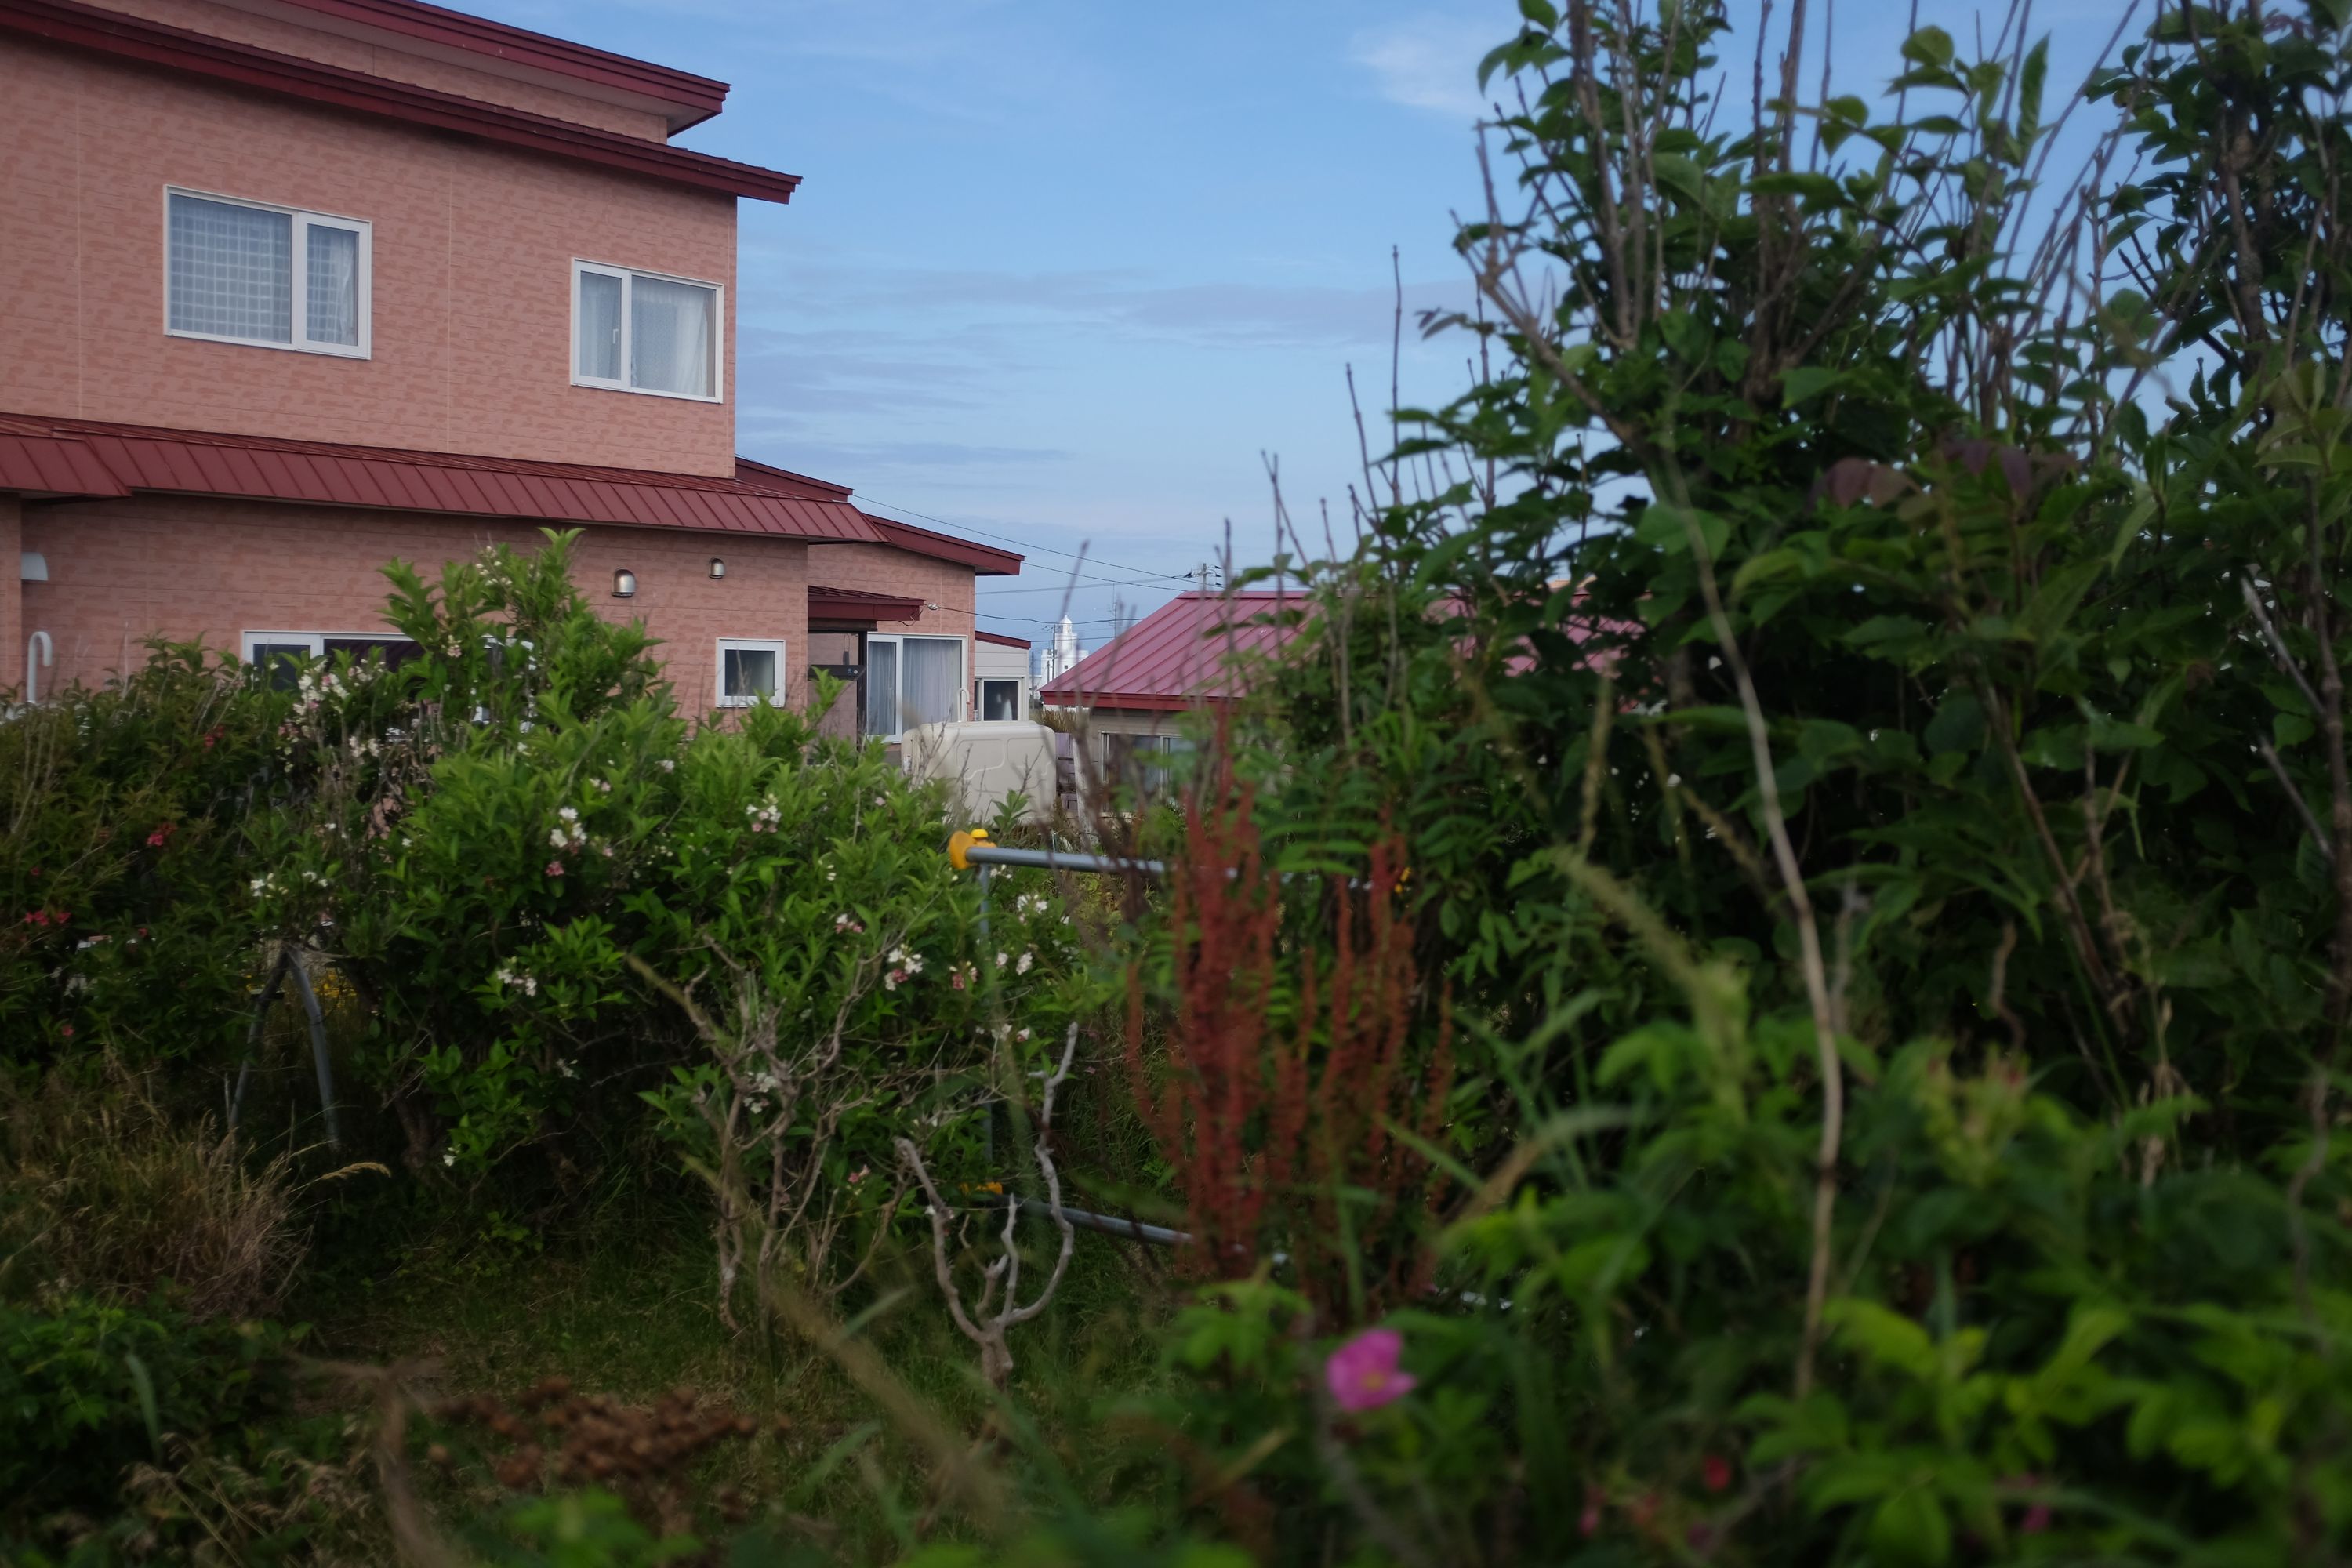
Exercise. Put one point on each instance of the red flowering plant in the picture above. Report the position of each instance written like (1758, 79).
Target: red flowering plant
(130, 812)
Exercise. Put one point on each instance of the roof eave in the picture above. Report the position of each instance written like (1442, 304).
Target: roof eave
(152, 44)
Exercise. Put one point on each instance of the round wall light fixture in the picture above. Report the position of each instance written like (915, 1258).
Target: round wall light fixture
(718, 567)
(625, 584)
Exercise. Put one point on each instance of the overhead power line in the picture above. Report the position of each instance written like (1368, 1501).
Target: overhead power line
(1005, 538)
(1100, 582)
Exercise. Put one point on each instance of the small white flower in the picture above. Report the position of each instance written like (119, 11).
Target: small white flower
(569, 814)
(566, 1069)
(1027, 959)
(555, 836)
(1002, 959)
(449, 1157)
(668, 766)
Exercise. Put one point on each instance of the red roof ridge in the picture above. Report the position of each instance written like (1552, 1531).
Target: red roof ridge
(75, 26)
(1000, 640)
(769, 471)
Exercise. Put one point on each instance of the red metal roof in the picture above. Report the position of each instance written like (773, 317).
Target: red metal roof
(189, 462)
(855, 604)
(769, 477)
(196, 54)
(983, 560)
(1180, 656)
(692, 98)
(1001, 640)
(44, 465)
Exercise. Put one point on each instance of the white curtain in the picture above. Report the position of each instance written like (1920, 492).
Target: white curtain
(934, 679)
(881, 688)
(600, 326)
(670, 334)
(232, 270)
(334, 285)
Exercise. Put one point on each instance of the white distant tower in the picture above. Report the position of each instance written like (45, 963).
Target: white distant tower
(1063, 652)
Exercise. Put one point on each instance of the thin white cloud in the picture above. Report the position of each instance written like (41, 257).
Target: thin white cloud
(1428, 62)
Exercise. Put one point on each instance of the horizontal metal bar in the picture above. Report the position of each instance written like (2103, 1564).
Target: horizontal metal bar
(1060, 860)
(1111, 1225)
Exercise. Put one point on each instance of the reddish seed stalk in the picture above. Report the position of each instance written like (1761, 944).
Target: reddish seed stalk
(1266, 1127)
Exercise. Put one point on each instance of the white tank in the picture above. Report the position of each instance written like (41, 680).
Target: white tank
(986, 762)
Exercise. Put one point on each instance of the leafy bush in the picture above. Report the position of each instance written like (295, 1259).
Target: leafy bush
(1869, 745)
(88, 1389)
(122, 924)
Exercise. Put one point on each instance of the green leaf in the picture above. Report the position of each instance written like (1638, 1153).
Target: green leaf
(2291, 728)
(2029, 94)
(1805, 382)
(1668, 528)
(1958, 725)
(1912, 1527)
(1928, 46)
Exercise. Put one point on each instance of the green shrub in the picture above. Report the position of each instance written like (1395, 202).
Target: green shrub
(123, 924)
(1869, 740)
(88, 1388)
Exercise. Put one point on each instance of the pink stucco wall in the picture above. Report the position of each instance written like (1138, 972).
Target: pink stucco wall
(12, 623)
(882, 569)
(188, 568)
(392, 61)
(472, 273)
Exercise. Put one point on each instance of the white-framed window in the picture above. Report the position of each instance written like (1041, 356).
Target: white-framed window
(912, 680)
(751, 672)
(1145, 764)
(279, 652)
(1000, 698)
(640, 331)
(236, 272)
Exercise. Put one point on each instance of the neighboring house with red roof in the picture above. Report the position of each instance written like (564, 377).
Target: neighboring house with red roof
(1191, 655)
(1183, 657)
(298, 286)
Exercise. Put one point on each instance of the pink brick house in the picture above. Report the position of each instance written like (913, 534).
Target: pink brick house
(298, 286)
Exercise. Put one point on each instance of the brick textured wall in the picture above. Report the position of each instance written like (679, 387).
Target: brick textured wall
(13, 629)
(882, 569)
(188, 568)
(289, 36)
(472, 273)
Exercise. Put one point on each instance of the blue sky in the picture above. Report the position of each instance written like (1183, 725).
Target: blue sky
(1062, 272)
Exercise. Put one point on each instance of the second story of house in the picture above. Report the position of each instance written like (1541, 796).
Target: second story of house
(364, 221)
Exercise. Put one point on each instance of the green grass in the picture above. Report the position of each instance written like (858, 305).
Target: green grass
(633, 1315)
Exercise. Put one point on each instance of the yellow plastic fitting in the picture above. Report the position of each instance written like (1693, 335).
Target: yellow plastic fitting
(962, 842)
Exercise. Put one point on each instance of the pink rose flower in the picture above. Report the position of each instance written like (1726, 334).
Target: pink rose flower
(1363, 1373)
(555, 867)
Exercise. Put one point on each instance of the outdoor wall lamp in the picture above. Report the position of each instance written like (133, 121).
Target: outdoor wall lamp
(625, 584)
(718, 567)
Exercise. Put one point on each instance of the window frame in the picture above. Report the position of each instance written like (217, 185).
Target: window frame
(298, 279)
(719, 699)
(627, 275)
(984, 682)
(898, 702)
